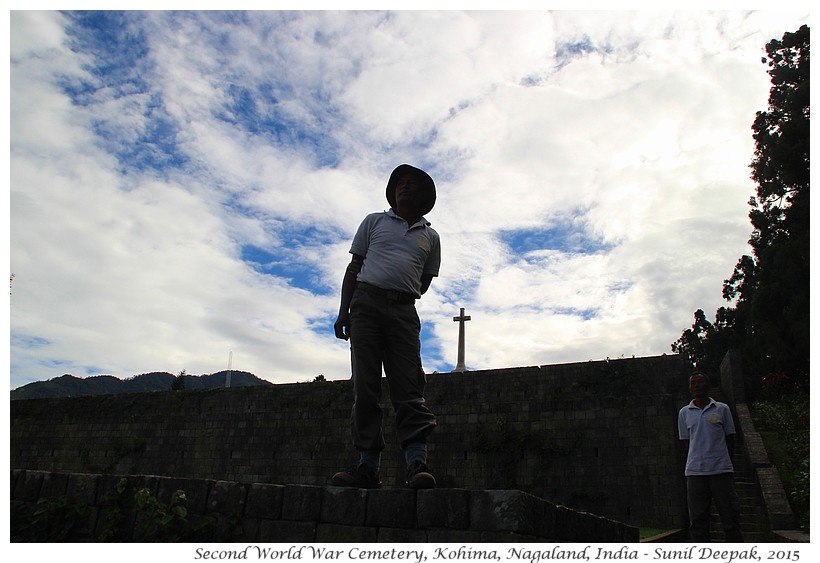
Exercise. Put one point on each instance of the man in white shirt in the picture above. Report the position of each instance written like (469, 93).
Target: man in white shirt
(709, 429)
(396, 254)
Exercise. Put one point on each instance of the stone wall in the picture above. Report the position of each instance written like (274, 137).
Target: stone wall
(104, 506)
(596, 436)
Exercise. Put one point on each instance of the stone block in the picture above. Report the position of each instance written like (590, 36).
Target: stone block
(54, 485)
(567, 525)
(400, 535)
(232, 530)
(392, 508)
(592, 528)
(265, 501)
(344, 505)
(285, 531)
(15, 474)
(777, 505)
(443, 508)
(508, 537)
(438, 535)
(227, 497)
(82, 488)
(626, 533)
(28, 486)
(302, 502)
(512, 511)
(337, 533)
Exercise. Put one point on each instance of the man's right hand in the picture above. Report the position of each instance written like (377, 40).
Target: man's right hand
(342, 326)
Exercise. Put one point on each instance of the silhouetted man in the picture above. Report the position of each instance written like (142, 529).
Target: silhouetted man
(396, 254)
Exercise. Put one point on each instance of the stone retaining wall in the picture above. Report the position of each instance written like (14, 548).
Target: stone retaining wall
(598, 437)
(227, 511)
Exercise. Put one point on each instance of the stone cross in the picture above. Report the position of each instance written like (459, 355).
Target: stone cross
(461, 319)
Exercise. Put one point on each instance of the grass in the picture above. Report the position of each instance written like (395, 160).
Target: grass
(650, 532)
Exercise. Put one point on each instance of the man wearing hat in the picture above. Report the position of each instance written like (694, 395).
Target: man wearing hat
(396, 254)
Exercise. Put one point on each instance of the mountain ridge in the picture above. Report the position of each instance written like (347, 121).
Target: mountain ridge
(68, 385)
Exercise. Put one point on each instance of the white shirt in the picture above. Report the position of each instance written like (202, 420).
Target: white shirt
(395, 254)
(706, 431)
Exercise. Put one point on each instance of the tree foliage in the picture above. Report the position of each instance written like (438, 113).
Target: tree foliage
(769, 320)
(179, 382)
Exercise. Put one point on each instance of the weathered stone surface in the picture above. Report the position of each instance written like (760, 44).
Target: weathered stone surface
(443, 508)
(503, 430)
(54, 485)
(82, 488)
(301, 513)
(344, 505)
(265, 501)
(508, 537)
(401, 535)
(227, 498)
(780, 513)
(584, 444)
(286, 531)
(394, 508)
(337, 533)
(438, 535)
(28, 485)
(512, 511)
(302, 502)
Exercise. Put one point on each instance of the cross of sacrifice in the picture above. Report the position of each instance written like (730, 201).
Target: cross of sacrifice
(461, 319)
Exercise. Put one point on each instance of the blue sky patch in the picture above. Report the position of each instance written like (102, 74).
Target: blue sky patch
(259, 112)
(28, 341)
(586, 314)
(56, 363)
(565, 238)
(288, 262)
(298, 274)
(567, 51)
(120, 68)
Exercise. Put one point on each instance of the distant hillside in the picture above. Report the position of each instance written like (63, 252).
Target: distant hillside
(70, 386)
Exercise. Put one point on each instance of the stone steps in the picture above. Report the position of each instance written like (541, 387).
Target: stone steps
(752, 515)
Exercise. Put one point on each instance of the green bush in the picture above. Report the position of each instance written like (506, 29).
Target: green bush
(782, 417)
(50, 520)
(59, 520)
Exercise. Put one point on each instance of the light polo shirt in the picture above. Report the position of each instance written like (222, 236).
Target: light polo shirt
(706, 431)
(395, 254)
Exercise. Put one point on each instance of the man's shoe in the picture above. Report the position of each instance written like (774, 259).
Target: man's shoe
(419, 476)
(362, 477)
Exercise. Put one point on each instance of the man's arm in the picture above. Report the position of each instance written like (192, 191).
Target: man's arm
(342, 324)
(729, 428)
(730, 445)
(426, 279)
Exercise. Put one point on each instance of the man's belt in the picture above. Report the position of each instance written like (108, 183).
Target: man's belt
(389, 294)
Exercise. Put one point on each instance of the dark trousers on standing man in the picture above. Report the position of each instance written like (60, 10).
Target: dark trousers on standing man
(384, 331)
(701, 490)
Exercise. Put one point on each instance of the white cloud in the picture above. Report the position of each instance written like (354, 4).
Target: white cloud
(629, 131)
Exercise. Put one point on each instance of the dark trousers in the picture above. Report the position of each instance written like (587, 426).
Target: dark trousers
(701, 490)
(385, 333)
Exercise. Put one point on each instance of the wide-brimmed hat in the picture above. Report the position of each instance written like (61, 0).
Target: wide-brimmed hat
(428, 187)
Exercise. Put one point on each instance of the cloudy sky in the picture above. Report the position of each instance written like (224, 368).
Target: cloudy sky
(184, 186)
